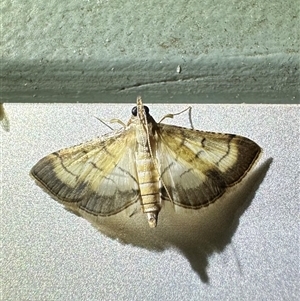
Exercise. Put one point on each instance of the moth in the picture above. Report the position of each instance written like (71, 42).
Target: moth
(146, 163)
(4, 119)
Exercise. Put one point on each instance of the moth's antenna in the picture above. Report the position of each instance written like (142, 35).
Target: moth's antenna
(154, 161)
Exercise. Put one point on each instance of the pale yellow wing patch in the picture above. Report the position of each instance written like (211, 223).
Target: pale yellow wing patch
(97, 176)
(197, 167)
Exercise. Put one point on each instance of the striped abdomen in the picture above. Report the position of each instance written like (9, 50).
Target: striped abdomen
(148, 180)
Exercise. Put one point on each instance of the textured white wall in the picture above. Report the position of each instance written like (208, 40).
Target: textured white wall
(243, 248)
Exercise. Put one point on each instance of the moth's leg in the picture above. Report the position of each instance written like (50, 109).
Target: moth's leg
(115, 120)
(172, 116)
(112, 121)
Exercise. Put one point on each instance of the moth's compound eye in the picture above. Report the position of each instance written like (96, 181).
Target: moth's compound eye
(146, 110)
(134, 111)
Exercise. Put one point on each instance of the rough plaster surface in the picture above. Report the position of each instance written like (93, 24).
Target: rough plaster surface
(235, 51)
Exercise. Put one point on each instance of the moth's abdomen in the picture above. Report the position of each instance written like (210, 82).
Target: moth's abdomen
(149, 186)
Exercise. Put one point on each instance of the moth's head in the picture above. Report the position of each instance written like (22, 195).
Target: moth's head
(141, 115)
(139, 110)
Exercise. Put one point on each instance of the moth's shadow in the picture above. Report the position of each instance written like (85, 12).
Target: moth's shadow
(196, 233)
(221, 224)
